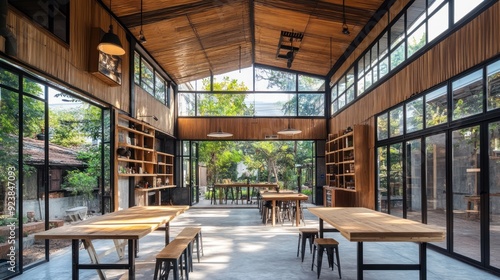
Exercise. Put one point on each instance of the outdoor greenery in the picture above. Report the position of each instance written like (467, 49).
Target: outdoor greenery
(265, 161)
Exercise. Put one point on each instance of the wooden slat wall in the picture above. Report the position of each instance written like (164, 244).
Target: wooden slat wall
(474, 43)
(38, 48)
(147, 105)
(250, 128)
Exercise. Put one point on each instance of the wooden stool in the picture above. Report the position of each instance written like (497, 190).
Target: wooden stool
(330, 245)
(306, 233)
(170, 257)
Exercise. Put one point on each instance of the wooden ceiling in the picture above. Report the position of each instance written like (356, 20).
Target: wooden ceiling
(191, 39)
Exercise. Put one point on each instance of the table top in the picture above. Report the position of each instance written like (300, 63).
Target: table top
(362, 224)
(155, 188)
(240, 184)
(130, 223)
(283, 196)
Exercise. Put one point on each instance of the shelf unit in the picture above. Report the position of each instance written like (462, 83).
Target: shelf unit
(151, 170)
(346, 163)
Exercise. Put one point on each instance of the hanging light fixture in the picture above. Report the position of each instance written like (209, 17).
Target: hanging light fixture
(142, 38)
(219, 133)
(110, 43)
(289, 130)
(345, 28)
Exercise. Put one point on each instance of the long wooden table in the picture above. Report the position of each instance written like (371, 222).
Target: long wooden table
(129, 224)
(360, 225)
(239, 185)
(275, 196)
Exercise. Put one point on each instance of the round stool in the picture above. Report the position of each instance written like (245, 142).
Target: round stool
(330, 245)
(304, 234)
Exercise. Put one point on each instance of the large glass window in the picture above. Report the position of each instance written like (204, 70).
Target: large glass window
(468, 95)
(436, 107)
(277, 94)
(414, 115)
(466, 182)
(416, 26)
(382, 183)
(395, 191)
(274, 80)
(493, 85)
(10, 169)
(150, 80)
(435, 175)
(382, 126)
(494, 192)
(438, 22)
(396, 122)
(422, 22)
(462, 8)
(414, 180)
(147, 77)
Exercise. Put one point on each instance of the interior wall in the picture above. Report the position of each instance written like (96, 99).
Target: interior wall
(148, 105)
(70, 63)
(477, 41)
(250, 128)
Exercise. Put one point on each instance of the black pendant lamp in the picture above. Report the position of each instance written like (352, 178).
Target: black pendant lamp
(110, 43)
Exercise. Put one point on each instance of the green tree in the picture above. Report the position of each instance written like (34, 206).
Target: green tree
(224, 104)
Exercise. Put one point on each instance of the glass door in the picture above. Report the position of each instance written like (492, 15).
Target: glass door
(435, 182)
(10, 174)
(466, 181)
(494, 193)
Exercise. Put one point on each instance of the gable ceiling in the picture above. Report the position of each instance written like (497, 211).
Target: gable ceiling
(192, 39)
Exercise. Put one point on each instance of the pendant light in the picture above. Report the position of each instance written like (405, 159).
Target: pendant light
(219, 133)
(345, 28)
(142, 38)
(110, 43)
(289, 130)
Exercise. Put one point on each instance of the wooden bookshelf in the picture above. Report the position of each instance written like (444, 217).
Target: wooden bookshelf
(151, 170)
(346, 162)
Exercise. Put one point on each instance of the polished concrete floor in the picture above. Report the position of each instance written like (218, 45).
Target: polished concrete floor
(238, 246)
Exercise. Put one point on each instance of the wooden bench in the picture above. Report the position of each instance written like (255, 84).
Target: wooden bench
(192, 234)
(171, 255)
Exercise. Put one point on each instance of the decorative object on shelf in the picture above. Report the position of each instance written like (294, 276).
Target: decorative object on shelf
(110, 43)
(121, 151)
(347, 130)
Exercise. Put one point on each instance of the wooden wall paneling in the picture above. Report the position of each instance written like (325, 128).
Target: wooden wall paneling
(250, 128)
(69, 63)
(490, 28)
(445, 60)
(147, 105)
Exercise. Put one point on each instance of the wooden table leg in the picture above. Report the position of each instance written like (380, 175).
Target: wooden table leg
(93, 256)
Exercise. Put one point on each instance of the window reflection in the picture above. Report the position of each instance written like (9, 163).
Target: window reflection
(468, 95)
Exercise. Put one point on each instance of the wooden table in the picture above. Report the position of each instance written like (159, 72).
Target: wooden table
(280, 196)
(129, 224)
(239, 186)
(360, 225)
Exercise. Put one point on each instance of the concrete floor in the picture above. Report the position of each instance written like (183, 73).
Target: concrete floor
(238, 246)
